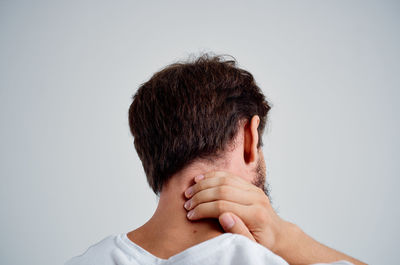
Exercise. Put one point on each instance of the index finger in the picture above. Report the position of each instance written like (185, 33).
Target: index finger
(219, 173)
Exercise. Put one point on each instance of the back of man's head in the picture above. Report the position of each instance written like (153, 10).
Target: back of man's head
(190, 111)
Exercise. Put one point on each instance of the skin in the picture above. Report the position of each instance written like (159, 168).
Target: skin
(203, 201)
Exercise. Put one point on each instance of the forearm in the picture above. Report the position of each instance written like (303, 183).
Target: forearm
(296, 247)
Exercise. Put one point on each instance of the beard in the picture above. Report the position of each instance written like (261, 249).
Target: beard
(260, 177)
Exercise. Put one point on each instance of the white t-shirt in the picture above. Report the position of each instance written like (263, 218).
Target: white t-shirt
(224, 249)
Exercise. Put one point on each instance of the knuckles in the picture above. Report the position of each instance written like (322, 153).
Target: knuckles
(260, 215)
(262, 198)
(224, 180)
(222, 191)
(264, 203)
(220, 206)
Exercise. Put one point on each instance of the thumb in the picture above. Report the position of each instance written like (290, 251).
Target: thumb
(233, 224)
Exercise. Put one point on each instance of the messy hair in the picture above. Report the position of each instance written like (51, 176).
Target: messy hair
(192, 110)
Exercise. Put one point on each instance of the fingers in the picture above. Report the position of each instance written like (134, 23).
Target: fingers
(215, 208)
(233, 224)
(214, 180)
(213, 174)
(224, 192)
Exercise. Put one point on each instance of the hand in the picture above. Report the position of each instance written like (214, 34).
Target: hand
(241, 207)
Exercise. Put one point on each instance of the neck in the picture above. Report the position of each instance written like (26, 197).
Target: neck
(170, 224)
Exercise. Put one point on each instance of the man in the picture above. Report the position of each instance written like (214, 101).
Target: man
(198, 128)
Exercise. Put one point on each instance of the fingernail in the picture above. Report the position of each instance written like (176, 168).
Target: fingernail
(227, 221)
(189, 191)
(190, 214)
(187, 204)
(198, 178)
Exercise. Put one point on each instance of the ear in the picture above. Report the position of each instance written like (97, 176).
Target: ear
(250, 152)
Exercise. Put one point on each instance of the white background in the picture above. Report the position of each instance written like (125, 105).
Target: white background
(70, 175)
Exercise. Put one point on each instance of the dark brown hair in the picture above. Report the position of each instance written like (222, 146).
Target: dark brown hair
(191, 110)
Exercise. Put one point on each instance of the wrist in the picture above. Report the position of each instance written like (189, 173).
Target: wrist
(288, 234)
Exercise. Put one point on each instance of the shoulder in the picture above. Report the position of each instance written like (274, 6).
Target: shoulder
(246, 249)
(99, 253)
